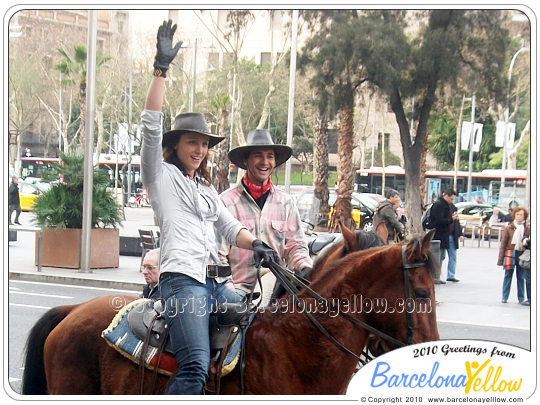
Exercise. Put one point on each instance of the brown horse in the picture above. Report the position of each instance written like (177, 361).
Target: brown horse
(285, 353)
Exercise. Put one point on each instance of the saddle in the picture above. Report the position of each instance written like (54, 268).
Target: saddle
(320, 242)
(138, 332)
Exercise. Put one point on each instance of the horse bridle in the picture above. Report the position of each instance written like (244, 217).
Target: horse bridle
(406, 266)
(290, 282)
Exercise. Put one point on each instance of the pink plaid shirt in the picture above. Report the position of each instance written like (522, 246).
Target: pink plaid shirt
(277, 224)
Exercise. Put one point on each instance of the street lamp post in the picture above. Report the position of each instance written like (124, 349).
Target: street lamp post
(292, 81)
(507, 114)
(471, 144)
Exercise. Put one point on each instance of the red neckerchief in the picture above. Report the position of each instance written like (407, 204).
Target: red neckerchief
(255, 190)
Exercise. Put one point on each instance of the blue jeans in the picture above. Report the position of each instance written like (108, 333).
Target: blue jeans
(451, 258)
(188, 307)
(526, 275)
(521, 280)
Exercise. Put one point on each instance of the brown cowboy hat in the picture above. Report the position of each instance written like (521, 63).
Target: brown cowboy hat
(189, 122)
(259, 138)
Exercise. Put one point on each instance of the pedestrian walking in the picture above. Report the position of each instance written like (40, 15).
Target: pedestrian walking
(14, 202)
(193, 281)
(268, 212)
(447, 230)
(513, 243)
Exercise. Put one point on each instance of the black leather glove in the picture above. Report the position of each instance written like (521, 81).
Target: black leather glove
(263, 252)
(165, 51)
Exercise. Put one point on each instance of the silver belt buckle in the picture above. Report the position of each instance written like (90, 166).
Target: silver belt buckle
(212, 271)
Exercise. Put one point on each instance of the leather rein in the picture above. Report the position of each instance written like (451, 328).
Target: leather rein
(290, 282)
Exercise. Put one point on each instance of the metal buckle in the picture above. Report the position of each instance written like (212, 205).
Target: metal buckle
(212, 271)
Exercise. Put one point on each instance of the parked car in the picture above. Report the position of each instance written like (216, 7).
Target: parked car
(363, 207)
(472, 213)
(27, 194)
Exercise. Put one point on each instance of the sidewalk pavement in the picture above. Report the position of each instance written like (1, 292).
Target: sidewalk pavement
(475, 300)
(126, 277)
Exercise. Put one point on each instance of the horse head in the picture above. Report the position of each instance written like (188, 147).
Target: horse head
(393, 291)
(409, 300)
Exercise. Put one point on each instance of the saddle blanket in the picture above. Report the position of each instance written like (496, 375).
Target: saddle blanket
(119, 336)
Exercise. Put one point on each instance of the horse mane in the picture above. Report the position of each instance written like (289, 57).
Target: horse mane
(363, 260)
(364, 240)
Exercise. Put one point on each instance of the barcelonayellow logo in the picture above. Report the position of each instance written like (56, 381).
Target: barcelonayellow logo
(449, 367)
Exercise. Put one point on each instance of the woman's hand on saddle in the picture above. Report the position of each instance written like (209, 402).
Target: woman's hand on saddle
(264, 253)
(165, 51)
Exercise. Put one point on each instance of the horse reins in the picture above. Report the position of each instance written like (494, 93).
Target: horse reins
(290, 282)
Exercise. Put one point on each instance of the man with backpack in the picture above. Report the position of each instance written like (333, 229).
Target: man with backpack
(444, 219)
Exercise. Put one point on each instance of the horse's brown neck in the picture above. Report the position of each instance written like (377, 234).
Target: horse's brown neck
(298, 359)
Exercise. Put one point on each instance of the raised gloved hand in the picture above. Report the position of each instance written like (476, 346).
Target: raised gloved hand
(263, 252)
(165, 51)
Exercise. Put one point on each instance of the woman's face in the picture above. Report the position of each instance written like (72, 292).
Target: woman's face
(191, 150)
(519, 216)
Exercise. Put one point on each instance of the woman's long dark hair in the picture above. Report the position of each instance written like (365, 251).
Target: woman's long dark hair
(170, 156)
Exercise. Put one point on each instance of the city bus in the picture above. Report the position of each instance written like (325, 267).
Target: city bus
(486, 184)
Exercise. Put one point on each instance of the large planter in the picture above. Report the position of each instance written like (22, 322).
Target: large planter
(62, 248)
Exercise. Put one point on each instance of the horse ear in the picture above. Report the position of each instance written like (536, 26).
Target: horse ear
(349, 238)
(426, 240)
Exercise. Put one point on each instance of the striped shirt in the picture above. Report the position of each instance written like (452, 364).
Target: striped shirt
(186, 209)
(277, 224)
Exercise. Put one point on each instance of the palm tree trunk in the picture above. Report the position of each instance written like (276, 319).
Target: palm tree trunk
(320, 167)
(342, 207)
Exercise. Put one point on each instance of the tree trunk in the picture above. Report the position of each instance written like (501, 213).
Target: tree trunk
(320, 168)
(82, 122)
(512, 153)
(221, 180)
(342, 207)
(412, 155)
(100, 133)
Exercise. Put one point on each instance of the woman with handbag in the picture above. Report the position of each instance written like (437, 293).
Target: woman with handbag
(510, 249)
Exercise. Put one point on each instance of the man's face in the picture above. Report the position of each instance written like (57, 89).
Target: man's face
(260, 165)
(395, 200)
(151, 269)
(449, 198)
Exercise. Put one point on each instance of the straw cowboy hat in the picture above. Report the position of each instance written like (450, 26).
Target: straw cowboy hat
(189, 122)
(256, 139)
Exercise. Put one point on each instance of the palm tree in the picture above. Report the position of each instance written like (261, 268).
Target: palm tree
(328, 53)
(73, 68)
(221, 159)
